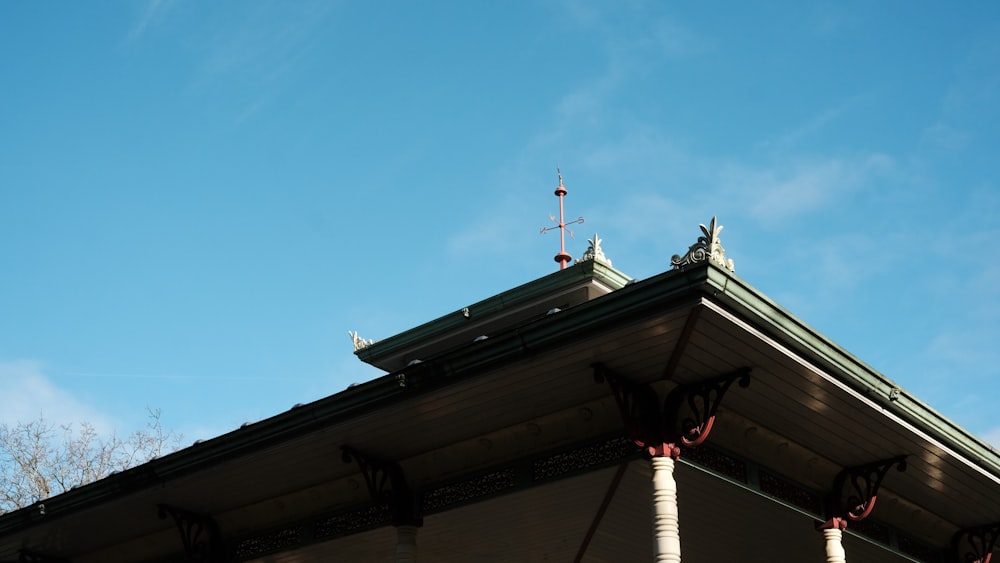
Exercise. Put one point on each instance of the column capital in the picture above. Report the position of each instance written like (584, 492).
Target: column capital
(834, 523)
(664, 449)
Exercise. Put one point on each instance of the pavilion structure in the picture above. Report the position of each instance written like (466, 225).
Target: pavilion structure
(581, 417)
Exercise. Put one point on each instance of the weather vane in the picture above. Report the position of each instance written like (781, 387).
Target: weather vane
(563, 257)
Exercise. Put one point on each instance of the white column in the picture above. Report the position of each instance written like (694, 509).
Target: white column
(666, 526)
(834, 545)
(406, 544)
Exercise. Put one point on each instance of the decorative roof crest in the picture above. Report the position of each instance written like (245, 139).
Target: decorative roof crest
(594, 252)
(707, 248)
(359, 343)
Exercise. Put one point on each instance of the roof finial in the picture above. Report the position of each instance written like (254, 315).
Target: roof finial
(359, 343)
(708, 248)
(563, 257)
(594, 252)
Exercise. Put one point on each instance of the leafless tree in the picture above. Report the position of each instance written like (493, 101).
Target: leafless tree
(39, 459)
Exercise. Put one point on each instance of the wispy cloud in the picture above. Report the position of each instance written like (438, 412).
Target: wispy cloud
(27, 393)
(153, 12)
(943, 135)
(634, 41)
(967, 344)
(969, 104)
(830, 20)
(664, 189)
(977, 84)
(259, 48)
(612, 141)
(810, 128)
(965, 349)
(502, 232)
(669, 38)
(587, 104)
(633, 30)
(800, 184)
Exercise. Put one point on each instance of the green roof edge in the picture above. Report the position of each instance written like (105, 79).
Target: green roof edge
(522, 294)
(802, 338)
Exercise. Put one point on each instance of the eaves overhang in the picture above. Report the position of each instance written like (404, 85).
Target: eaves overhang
(359, 399)
(201, 455)
(647, 297)
(756, 308)
(533, 337)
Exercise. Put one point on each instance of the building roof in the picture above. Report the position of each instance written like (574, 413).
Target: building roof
(474, 408)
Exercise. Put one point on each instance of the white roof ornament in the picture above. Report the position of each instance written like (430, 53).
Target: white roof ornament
(707, 248)
(594, 252)
(359, 343)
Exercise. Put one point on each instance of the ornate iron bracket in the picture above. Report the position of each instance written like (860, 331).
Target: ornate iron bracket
(855, 490)
(388, 487)
(975, 545)
(639, 407)
(200, 535)
(663, 431)
(703, 400)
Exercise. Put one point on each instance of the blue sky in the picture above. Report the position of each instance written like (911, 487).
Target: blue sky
(198, 200)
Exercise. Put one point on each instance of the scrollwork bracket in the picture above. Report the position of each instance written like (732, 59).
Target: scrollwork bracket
(855, 490)
(662, 431)
(387, 486)
(200, 534)
(975, 545)
(702, 400)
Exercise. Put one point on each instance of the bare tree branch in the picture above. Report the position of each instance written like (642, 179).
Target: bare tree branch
(38, 460)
